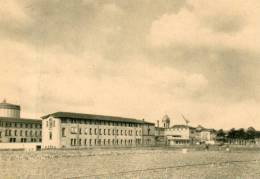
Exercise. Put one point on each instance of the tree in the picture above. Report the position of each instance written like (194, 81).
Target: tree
(220, 136)
(232, 133)
(251, 133)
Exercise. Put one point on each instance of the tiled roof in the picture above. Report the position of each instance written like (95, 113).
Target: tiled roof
(9, 119)
(94, 117)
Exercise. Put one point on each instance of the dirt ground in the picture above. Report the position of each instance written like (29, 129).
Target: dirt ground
(131, 163)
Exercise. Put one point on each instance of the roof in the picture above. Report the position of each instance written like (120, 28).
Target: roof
(95, 117)
(10, 119)
(6, 105)
(182, 126)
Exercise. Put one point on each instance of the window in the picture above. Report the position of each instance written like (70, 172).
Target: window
(90, 142)
(104, 131)
(85, 142)
(95, 132)
(71, 142)
(50, 135)
(31, 133)
(86, 131)
(79, 130)
(26, 133)
(53, 123)
(15, 132)
(121, 132)
(104, 141)
(47, 124)
(108, 131)
(79, 141)
(90, 131)
(63, 134)
(100, 132)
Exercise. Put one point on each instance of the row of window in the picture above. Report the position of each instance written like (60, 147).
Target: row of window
(90, 142)
(9, 132)
(75, 130)
(108, 123)
(24, 140)
(20, 125)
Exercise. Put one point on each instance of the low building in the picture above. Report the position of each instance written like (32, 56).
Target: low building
(14, 129)
(77, 130)
(205, 135)
(180, 134)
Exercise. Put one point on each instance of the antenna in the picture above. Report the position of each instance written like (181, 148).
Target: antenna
(185, 119)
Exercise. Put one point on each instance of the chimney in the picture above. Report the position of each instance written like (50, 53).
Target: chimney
(157, 123)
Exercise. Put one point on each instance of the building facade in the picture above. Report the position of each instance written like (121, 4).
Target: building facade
(160, 137)
(76, 130)
(180, 135)
(205, 135)
(14, 129)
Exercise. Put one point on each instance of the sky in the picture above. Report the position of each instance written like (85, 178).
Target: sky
(131, 58)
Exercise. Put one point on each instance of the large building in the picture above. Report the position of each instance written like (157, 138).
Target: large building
(76, 130)
(14, 129)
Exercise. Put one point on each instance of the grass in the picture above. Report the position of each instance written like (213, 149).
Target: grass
(239, 162)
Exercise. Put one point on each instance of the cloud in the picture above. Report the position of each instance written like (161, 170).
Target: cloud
(13, 11)
(93, 57)
(212, 24)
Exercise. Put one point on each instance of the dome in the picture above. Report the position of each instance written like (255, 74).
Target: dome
(166, 118)
(9, 110)
(5, 105)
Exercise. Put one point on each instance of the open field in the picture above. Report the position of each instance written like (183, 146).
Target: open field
(132, 163)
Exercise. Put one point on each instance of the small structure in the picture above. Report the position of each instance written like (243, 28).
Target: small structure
(205, 135)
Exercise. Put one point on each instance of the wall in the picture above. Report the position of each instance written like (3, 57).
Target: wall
(13, 113)
(51, 126)
(19, 146)
(103, 137)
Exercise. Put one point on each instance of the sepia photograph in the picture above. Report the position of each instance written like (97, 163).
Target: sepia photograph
(129, 89)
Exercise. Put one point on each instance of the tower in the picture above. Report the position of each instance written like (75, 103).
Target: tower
(166, 121)
(9, 110)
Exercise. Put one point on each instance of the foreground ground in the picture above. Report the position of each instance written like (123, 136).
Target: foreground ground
(132, 163)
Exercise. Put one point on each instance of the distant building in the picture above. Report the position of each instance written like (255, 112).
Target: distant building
(160, 137)
(180, 134)
(76, 130)
(204, 135)
(14, 129)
